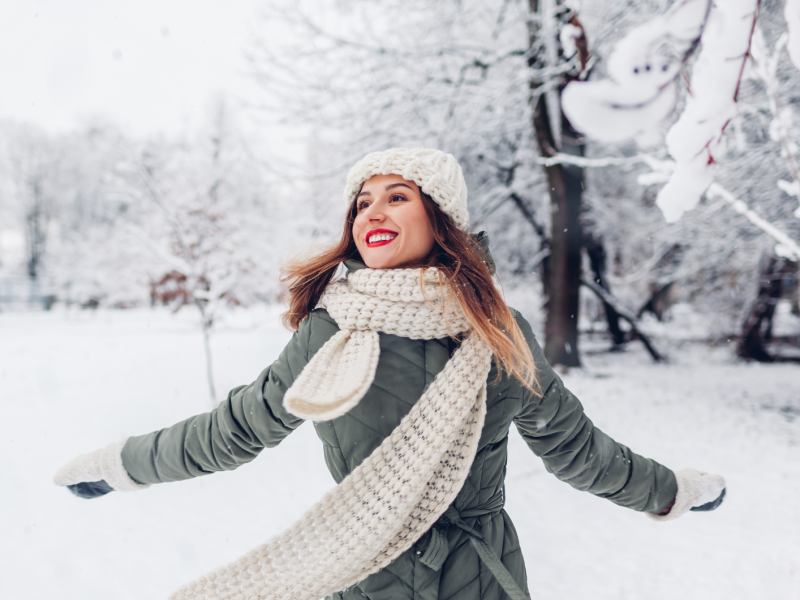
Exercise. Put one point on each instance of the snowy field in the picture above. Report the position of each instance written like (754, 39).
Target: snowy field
(73, 383)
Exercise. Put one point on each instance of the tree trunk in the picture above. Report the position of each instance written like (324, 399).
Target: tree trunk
(658, 301)
(564, 265)
(565, 183)
(758, 325)
(206, 324)
(597, 258)
(37, 219)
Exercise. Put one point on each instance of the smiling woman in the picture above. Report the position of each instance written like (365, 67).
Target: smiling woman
(412, 369)
(414, 219)
(391, 228)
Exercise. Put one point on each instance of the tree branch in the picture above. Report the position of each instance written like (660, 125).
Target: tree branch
(609, 300)
(526, 212)
(787, 247)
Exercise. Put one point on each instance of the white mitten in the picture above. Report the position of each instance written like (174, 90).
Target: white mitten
(104, 464)
(695, 490)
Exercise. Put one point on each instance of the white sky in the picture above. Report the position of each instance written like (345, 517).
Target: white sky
(148, 65)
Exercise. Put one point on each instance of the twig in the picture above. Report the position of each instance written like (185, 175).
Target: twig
(609, 300)
(580, 161)
(788, 245)
(526, 212)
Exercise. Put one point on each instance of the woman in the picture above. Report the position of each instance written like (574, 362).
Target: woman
(412, 369)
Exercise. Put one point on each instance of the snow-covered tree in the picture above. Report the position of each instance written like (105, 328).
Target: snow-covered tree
(480, 80)
(203, 214)
(734, 130)
(34, 165)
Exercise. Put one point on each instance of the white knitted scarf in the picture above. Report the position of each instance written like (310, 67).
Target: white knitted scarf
(397, 493)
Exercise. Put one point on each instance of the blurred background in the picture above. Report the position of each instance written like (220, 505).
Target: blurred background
(155, 152)
(160, 161)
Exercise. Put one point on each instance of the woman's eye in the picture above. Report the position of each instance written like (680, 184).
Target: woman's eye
(398, 198)
(363, 204)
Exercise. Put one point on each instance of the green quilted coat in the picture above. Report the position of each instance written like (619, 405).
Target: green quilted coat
(553, 425)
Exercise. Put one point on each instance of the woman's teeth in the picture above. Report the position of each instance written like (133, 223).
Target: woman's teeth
(380, 237)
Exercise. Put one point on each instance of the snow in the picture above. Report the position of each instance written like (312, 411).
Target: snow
(786, 247)
(792, 188)
(642, 91)
(75, 382)
(606, 112)
(695, 141)
(792, 15)
(643, 69)
(567, 36)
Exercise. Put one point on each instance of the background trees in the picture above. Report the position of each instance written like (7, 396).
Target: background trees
(206, 220)
(35, 172)
(483, 81)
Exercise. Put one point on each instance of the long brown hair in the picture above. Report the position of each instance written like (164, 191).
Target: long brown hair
(462, 264)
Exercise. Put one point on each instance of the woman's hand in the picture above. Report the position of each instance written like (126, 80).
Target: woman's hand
(696, 492)
(710, 505)
(91, 489)
(97, 473)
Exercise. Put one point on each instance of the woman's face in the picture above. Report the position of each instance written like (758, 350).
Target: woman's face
(391, 228)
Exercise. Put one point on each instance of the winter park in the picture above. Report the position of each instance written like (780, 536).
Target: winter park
(531, 268)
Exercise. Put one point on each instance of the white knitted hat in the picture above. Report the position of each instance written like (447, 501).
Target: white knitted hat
(437, 173)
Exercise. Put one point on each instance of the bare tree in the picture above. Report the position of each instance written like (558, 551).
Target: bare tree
(195, 226)
(36, 164)
(757, 331)
(551, 71)
(479, 80)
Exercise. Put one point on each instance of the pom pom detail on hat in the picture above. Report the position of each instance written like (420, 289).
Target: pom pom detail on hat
(437, 173)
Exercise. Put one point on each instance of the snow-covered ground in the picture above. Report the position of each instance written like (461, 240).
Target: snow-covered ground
(73, 383)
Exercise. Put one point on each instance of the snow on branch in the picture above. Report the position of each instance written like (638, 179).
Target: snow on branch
(660, 173)
(765, 68)
(664, 171)
(792, 15)
(697, 137)
(786, 246)
(581, 161)
(644, 71)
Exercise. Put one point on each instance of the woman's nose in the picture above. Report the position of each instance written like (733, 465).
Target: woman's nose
(374, 213)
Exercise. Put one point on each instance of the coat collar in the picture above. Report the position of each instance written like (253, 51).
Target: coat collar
(481, 239)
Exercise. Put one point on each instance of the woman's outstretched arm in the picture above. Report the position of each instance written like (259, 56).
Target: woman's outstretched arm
(232, 434)
(556, 429)
(578, 453)
(250, 419)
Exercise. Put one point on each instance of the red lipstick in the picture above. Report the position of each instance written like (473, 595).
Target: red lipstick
(382, 242)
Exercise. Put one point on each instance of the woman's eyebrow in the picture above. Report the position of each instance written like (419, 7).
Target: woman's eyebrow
(387, 188)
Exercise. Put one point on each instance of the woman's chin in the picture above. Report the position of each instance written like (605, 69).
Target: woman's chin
(382, 264)
(382, 260)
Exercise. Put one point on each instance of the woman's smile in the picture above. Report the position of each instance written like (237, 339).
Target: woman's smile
(380, 237)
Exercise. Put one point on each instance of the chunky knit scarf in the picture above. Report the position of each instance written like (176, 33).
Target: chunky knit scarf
(392, 498)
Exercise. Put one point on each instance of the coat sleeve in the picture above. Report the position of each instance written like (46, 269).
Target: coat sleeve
(556, 429)
(250, 419)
